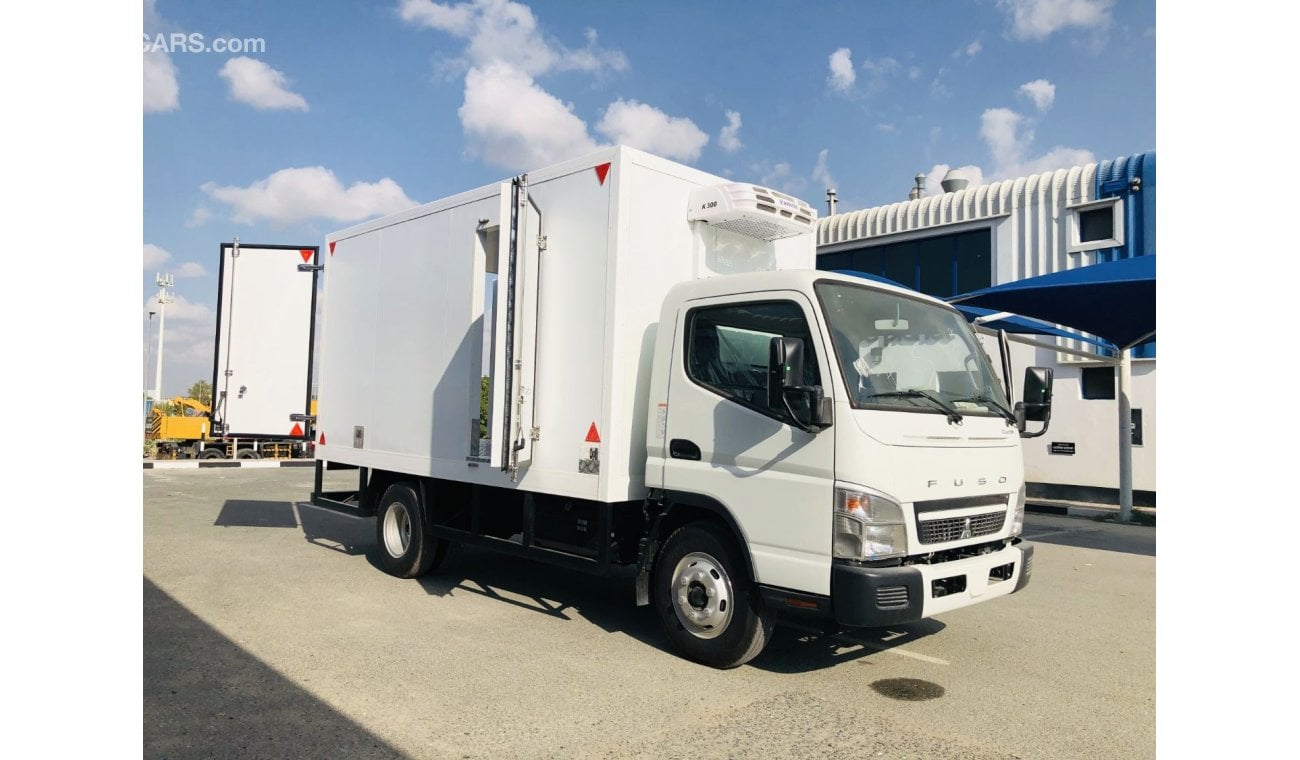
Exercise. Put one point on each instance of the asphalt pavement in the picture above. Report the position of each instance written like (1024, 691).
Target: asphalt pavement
(269, 632)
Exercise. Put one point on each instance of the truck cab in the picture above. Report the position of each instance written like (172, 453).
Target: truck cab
(856, 441)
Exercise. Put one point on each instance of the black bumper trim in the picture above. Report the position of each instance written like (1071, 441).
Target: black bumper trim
(856, 595)
(785, 603)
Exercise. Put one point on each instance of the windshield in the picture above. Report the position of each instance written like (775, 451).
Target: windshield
(904, 353)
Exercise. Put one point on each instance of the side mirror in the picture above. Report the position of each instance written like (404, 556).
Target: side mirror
(785, 374)
(1037, 403)
(784, 369)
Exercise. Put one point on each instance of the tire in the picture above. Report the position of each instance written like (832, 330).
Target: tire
(406, 550)
(247, 454)
(705, 599)
(212, 453)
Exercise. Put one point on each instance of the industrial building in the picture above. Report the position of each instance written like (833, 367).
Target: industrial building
(968, 238)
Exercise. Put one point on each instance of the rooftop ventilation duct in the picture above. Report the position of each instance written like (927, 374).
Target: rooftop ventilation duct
(919, 190)
(751, 210)
(954, 181)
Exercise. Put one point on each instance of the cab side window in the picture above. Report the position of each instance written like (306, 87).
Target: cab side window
(727, 349)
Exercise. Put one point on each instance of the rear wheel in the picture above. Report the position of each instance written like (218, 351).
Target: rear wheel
(401, 531)
(247, 454)
(212, 453)
(707, 604)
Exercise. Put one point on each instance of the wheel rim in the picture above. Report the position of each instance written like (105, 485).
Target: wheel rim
(397, 529)
(702, 595)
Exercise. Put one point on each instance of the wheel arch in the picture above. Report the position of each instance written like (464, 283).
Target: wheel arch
(683, 507)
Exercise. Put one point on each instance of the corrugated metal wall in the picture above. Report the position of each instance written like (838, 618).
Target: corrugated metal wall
(1032, 244)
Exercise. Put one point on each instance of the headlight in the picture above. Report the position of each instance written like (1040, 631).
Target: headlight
(868, 526)
(1018, 514)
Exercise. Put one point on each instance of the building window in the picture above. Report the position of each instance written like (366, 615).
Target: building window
(940, 266)
(1097, 224)
(1098, 382)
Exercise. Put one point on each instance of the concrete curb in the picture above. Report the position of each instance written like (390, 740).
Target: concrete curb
(1079, 508)
(190, 464)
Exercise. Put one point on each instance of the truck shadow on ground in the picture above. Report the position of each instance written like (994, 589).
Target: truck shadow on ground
(609, 604)
(326, 529)
(205, 696)
(606, 602)
(793, 650)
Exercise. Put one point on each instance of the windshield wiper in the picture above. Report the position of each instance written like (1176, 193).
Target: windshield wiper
(1006, 413)
(954, 416)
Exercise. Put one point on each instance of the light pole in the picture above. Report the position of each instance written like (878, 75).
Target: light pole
(148, 351)
(164, 298)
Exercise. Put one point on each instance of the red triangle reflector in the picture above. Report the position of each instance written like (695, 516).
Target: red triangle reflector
(592, 435)
(306, 254)
(602, 171)
(331, 247)
(297, 429)
(322, 439)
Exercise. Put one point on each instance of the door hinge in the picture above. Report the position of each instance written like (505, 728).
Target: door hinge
(535, 434)
(541, 242)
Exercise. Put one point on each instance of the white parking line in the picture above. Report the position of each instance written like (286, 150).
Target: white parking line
(895, 650)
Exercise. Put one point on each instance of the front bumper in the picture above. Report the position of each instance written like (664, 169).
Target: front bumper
(870, 597)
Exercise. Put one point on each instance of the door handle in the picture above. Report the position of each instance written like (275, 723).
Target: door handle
(680, 448)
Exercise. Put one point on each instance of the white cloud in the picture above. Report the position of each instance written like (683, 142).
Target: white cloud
(1039, 19)
(779, 175)
(728, 138)
(255, 83)
(453, 19)
(511, 120)
(187, 343)
(200, 216)
(973, 49)
(159, 259)
(821, 173)
(649, 129)
(500, 31)
(513, 123)
(1000, 127)
(1010, 139)
(880, 71)
(843, 75)
(155, 256)
(181, 309)
(161, 90)
(298, 194)
(1041, 92)
(887, 128)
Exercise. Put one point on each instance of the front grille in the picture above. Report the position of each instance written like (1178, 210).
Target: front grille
(955, 528)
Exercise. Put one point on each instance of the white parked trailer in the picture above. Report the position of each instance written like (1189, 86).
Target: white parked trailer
(262, 362)
(671, 387)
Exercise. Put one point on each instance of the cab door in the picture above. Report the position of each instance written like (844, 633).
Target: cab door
(725, 444)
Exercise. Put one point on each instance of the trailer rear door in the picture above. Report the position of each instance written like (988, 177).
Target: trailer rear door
(265, 329)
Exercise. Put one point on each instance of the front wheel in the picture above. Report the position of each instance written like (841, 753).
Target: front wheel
(707, 604)
(406, 550)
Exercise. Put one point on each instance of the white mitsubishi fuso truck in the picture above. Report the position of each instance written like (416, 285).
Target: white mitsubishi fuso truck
(671, 386)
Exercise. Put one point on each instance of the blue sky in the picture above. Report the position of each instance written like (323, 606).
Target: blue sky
(345, 111)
